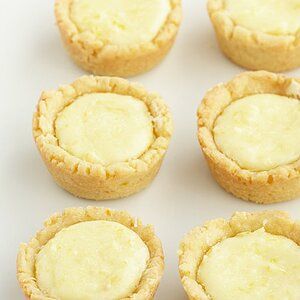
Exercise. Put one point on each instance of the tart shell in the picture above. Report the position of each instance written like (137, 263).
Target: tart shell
(276, 185)
(253, 50)
(200, 239)
(27, 253)
(90, 180)
(94, 56)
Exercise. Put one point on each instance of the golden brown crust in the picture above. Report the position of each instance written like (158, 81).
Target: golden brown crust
(93, 55)
(253, 50)
(95, 181)
(276, 185)
(200, 239)
(28, 252)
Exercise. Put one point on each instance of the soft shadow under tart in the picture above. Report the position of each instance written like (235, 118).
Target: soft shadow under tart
(104, 57)
(197, 245)
(278, 183)
(73, 217)
(87, 178)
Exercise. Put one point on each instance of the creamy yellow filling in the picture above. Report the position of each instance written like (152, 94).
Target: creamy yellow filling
(250, 266)
(260, 132)
(269, 16)
(105, 128)
(120, 22)
(92, 261)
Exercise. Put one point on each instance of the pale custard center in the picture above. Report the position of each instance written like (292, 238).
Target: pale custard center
(260, 132)
(277, 17)
(105, 128)
(249, 266)
(121, 22)
(93, 260)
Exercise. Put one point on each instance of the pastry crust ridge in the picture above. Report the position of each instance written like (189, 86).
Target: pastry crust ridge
(200, 239)
(93, 55)
(253, 50)
(279, 184)
(95, 181)
(27, 253)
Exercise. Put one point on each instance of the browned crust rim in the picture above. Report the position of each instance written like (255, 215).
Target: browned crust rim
(219, 97)
(100, 58)
(200, 239)
(27, 253)
(52, 102)
(168, 29)
(250, 48)
(217, 12)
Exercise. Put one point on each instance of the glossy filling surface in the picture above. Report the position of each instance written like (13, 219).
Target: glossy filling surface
(260, 132)
(120, 22)
(249, 266)
(105, 128)
(93, 260)
(277, 17)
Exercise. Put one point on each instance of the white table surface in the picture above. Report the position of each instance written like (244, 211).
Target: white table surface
(182, 196)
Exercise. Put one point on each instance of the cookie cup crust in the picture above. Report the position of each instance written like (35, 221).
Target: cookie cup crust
(96, 181)
(276, 185)
(93, 55)
(200, 239)
(253, 50)
(28, 252)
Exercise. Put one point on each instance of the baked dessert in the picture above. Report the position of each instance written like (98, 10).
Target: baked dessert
(250, 256)
(249, 130)
(119, 37)
(101, 137)
(92, 253)
(258, 35)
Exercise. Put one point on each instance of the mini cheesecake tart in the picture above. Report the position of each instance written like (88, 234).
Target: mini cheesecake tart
(91, 253)
(258, 35)
(249, 131)
(118, 37)
(250, 256)
(102, 138)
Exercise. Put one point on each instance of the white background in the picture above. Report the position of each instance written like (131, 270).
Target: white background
(183, 195)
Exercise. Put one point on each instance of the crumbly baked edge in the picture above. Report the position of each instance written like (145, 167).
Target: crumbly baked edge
(52, 102)
(224, 168)
(27, 253)
(268, 49)
(109, 59)
(200, 239)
